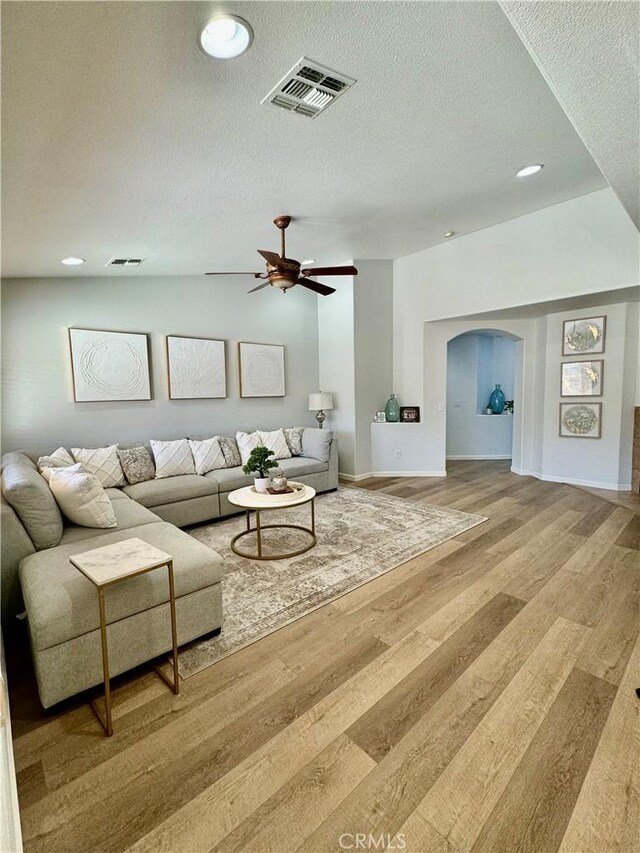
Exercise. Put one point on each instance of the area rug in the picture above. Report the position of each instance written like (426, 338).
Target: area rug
(361, 535)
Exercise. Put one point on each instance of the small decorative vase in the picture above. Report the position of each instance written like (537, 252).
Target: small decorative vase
(262, 483)
(279, 483)
(392, 410)
(497, 400)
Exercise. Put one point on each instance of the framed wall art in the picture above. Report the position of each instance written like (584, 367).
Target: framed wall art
(109, 366)
(582, 378)
(196, 368)
(261, 368)
(584, 336)
(581, 420)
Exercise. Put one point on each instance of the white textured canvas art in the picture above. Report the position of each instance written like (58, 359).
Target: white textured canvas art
(261, 370)
(109, 366)
(196, 368)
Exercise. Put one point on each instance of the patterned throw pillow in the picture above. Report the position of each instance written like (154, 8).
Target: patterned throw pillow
(137, 464)
(230, 451)
(172, 458)
(294, 440)
(103, 462)
(247, 441)
(60, 458)
(207, 455)
(277, 442)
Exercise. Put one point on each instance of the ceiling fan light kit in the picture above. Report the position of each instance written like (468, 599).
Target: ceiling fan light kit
(284, 273)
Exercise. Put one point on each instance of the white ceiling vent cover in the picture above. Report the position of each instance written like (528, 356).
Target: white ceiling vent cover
(124, 262)
(309, 88)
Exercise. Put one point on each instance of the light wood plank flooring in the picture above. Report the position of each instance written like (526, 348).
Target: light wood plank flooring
(478, 698)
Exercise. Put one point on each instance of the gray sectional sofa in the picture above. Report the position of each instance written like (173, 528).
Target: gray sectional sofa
(61, 603)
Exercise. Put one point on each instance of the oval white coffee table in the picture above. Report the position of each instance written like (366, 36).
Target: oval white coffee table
(249, 499)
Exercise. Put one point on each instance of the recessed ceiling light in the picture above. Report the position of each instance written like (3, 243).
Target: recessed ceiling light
(450, 234)
(529, 170)
(225, 37)
(72, 262)
(308, 261)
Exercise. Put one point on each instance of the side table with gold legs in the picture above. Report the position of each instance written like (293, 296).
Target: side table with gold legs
(112, 564)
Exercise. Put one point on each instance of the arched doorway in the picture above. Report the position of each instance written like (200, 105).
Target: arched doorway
(477, 361)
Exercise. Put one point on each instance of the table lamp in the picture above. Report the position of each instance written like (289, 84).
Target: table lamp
(319, 402)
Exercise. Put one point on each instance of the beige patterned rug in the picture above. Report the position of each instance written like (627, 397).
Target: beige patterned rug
(361, 535)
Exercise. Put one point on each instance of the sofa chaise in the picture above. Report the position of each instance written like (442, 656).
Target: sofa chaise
(61, 603)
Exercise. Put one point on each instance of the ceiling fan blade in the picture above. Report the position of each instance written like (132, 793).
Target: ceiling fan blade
(270, 257)
(330, 271)
(322, 289)
(256, 274)
(259, 287)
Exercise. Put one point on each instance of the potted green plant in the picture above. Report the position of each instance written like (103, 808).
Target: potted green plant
(259, 463)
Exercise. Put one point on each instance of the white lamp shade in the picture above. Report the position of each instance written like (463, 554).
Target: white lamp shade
(320, 400)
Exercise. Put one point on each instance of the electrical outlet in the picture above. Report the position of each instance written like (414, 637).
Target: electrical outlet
(457, 404)
(441, 407)
(397, 453)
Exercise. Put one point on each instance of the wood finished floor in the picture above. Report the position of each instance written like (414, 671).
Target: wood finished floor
(478, 698)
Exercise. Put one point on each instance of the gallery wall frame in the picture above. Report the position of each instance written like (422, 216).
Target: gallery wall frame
(584, 335)
(196, 367)
(582, 378)
(580, 420)
(261, 369)
(109, 366)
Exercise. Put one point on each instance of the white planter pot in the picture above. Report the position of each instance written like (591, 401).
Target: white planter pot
(261, 483)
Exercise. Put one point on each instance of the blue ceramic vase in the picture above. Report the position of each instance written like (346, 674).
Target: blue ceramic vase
(496, 400)
(392, 410)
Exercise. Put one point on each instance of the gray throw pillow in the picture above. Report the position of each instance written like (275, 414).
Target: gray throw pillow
(230, 450)
(294, 440)
(316, 444)
(137, 464)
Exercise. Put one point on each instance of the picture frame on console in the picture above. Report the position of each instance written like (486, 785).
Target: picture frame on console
(261, 369)
(109, 366)
(196, 368)
(410, 414)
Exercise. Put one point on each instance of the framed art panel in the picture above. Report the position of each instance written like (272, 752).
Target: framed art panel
(196, 367)
(581, 420)
(261, 370)
(109, 366)
(582, 378)
(584, 336)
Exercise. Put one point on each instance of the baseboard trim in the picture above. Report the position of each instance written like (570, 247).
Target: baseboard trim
(354, 478)
(573, 481)
(498, 456)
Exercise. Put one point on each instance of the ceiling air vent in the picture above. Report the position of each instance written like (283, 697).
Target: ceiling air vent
(124, 262)
(308, 89)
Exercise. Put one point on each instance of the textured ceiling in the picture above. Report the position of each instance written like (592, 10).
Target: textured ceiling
(120, 138)
(588, 53)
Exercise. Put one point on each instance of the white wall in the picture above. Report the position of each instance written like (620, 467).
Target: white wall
(475, 364)
(585, 245)
(38, 410)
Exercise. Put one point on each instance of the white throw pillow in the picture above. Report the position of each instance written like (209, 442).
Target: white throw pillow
(246, 442)
(60, 458)
(277, 442)
(172, 458)
(103, 462)
(81, 497)
(207, 455)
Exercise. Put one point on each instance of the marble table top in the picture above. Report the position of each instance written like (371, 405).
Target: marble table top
(120, 560)
(250, 499)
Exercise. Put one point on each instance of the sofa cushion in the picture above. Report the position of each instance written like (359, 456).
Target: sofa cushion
(172, 458)
(316, 443)
(298, 466)
(171, 489)
(103, 462)
(30, 496)
(229, 479)
(117, 494)
(63, 604)
(128, 514)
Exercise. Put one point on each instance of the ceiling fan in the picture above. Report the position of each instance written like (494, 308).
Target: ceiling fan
(284, 273)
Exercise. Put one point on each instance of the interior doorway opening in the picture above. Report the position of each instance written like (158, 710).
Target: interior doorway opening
(479, 361)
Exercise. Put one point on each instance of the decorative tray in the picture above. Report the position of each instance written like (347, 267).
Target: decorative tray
(280, 496)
